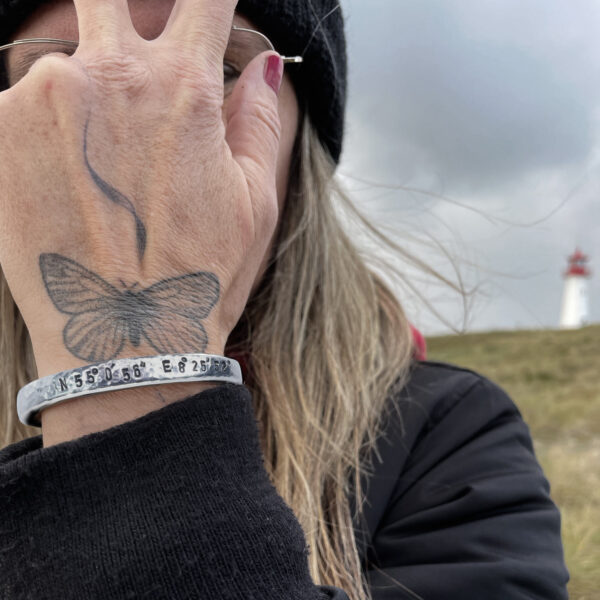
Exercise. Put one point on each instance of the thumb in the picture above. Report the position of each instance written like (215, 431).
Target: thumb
(253, 128)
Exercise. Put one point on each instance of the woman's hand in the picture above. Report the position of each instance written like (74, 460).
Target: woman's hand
(135, 209)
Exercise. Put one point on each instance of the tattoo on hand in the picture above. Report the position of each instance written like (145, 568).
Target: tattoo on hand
(113, 194)
(166, 315)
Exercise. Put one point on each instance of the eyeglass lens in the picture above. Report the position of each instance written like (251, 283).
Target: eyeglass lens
(243, 46)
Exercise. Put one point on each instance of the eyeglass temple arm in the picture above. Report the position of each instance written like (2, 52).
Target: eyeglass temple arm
(286, 59)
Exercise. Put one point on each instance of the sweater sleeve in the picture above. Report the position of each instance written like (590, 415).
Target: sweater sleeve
(176, 504)
(470, 514)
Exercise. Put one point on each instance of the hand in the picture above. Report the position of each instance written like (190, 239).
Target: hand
(135, 210)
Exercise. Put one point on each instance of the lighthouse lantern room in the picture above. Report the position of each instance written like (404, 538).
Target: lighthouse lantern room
(575, 301)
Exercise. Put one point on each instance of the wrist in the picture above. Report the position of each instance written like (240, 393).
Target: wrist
(81, 416)
(94, 412)
(70, 419)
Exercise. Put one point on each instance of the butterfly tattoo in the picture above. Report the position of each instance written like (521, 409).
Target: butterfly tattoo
(166, 315)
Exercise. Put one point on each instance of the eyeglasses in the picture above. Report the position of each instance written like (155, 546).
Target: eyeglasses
(244, 45)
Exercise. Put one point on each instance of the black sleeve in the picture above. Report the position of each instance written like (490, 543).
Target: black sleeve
(470, 514)
(176, 504)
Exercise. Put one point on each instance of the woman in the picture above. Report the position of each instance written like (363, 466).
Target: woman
(133, 162)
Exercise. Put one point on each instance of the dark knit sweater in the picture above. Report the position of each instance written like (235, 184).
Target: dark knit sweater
(177, 504)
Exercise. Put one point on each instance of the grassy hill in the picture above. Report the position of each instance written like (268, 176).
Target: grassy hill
(554, 378)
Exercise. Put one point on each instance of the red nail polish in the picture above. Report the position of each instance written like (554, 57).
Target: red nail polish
(274, 72)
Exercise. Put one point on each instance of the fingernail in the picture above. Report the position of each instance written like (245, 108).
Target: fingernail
(274, 72)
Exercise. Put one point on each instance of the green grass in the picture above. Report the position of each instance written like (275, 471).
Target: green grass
(554, 378)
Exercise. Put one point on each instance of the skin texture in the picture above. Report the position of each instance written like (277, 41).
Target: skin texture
(115, 196)
(59, 20)
(132, 192)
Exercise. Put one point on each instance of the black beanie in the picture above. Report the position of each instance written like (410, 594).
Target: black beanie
(313, 29)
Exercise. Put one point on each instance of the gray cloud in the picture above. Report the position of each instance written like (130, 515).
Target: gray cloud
(477, 109)
(495, 104)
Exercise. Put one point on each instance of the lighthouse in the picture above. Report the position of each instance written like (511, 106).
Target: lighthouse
(575, 302)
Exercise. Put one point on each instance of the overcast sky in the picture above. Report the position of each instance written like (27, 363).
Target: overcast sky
(494, 105)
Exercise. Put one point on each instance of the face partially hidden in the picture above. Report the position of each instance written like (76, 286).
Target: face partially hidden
(59, 20)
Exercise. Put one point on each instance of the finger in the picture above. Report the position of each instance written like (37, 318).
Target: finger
(253, 128)
(203, 27)
(107, 21)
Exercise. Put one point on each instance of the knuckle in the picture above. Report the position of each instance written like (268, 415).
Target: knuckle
(267, 115)
(49, 62)
(267, 218)
(124, 73)
(260, 122)
(264, 197)
(51, 75)
(201, 86)
(52, 67)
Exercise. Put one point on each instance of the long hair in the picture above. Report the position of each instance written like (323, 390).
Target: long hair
(327, 342)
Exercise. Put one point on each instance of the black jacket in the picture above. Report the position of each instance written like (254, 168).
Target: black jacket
(458, 505)
(177, 504)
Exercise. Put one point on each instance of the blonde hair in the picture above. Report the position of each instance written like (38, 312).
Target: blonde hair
(327, 342)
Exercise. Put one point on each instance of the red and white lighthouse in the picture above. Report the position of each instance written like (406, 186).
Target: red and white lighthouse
(575, 301)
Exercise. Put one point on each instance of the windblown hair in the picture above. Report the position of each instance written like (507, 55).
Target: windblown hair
(328, 343)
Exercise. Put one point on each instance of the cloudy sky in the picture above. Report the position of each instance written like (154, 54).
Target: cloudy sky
(474, 133)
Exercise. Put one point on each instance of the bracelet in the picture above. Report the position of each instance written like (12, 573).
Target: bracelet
(119, 374)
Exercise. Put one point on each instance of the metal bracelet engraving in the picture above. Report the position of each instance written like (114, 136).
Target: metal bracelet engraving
(119, 374)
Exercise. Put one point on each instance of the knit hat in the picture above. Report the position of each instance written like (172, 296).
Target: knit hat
(313, 29)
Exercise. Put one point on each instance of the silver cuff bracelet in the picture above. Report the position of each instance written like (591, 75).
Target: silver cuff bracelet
(119, 374)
